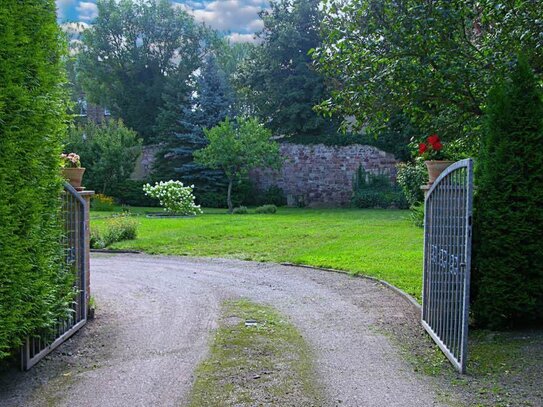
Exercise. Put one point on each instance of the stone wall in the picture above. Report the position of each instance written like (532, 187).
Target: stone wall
(319, 175)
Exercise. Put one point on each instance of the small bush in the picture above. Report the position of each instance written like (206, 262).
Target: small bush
(101, 202)
(240, 210)
(410, 177)
(174, 197)
(96, 240)
(266, 209)
(376, 191)
(119, 227)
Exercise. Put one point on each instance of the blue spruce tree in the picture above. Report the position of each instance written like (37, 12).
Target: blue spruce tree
(210, 103)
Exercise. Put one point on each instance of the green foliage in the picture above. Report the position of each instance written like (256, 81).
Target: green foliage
(376, 191)
(35, 287)
(119, 227)
(278, 79)
(130, 192)
(411, 176)
(432, 60)
(273, 195)
(108, 152)
(132, 51)
(508, 259)
(240, 210)
(267, 209)
(101, 202)
(236, 148)
(417, 214)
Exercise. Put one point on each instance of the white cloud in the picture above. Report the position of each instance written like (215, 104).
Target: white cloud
(74, 29)
(87, 11)
(237, 37)
(228, 15)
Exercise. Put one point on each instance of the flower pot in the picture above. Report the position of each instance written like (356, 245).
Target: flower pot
(435, 168)
(74, 176)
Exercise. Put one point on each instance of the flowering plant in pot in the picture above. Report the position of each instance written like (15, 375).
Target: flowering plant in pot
(434, 156)
(72, 170)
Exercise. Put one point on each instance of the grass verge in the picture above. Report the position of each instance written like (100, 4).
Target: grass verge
(265, 364)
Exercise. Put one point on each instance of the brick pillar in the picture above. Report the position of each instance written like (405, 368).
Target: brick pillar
(86, 195)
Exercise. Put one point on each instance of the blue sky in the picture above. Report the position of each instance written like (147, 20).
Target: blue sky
(237, 17)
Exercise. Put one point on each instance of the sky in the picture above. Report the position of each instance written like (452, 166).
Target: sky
(236, 18)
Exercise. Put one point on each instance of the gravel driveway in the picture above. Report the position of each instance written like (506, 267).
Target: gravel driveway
(155, 316)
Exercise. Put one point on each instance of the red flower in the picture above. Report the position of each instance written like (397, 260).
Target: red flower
(437, 146)
(433, 139)
(422, 148)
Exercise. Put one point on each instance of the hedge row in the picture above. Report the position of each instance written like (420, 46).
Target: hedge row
(34, 287)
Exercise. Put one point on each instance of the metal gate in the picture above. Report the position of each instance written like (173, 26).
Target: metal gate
(73, 242)
(447, 261)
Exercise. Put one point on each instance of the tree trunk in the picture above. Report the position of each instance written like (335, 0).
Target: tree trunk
(229, 197)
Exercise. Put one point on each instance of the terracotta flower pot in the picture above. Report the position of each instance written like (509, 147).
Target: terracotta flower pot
(74, 176)
(435, 168)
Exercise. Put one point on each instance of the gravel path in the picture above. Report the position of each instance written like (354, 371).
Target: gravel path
(155, 316)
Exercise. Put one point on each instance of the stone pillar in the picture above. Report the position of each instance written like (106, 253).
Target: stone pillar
(86, 195)
(426, 188)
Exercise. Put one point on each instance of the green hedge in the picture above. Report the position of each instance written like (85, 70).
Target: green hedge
(33, 284)
(508, 272)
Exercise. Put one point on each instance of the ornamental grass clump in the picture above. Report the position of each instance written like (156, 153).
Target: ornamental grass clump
(174, 197)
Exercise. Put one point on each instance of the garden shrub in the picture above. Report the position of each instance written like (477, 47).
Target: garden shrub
(240, 210)
(174, 197)
(101, 202)
(35, 286)
(266, 209)
(508, 254)
(120, 227)
(376, 191)
(411, 176)
(96, 239)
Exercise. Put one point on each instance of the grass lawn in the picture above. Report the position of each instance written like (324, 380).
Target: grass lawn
(378, 243)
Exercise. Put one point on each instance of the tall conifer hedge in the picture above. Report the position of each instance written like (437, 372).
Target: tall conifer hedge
(508, 273)
(33, 283)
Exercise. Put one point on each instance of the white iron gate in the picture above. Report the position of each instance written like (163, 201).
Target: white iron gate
(447, 260)
(74, 217)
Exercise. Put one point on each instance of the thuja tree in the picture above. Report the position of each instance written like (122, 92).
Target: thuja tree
(34, 286)
(508, 261)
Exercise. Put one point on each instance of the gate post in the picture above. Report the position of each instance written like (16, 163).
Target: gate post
(86, 195)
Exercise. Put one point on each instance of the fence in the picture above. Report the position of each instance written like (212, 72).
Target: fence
(75, 257)
(447, 260)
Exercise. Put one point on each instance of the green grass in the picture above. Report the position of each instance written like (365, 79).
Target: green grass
(255, 365)
(378, 243)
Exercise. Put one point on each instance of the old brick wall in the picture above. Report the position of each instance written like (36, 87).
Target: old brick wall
(322, 175)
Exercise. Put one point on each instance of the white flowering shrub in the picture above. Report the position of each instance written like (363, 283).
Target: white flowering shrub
(173, 197)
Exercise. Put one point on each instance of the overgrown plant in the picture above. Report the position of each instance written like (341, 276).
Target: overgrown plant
(174, 197)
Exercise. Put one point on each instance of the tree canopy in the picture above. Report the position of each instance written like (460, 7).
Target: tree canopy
(133, 49)
(434, 61)
(236, 148)
(278, 78)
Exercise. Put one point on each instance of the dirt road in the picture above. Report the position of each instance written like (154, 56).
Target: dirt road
(155, 316)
